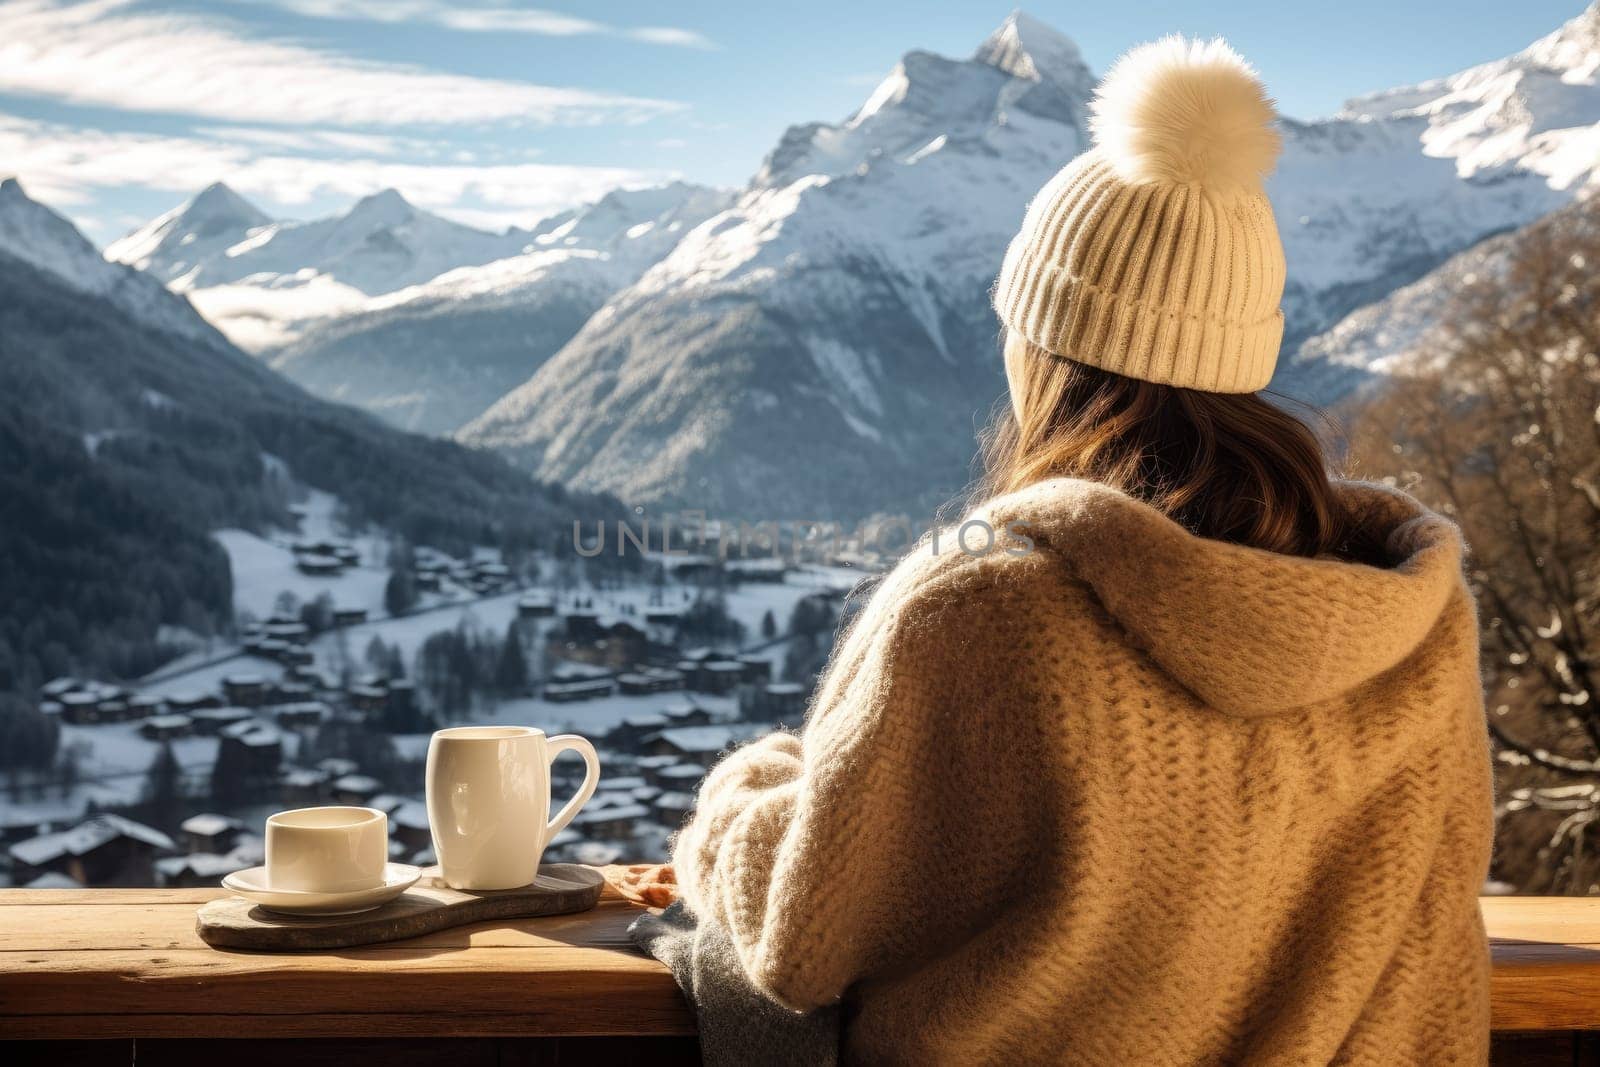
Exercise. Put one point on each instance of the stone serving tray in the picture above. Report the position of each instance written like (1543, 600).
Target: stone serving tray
(430, 905)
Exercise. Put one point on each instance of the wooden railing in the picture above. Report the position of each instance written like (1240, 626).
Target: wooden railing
(110, 967)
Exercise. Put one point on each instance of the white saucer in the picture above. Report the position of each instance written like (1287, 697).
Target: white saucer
(252, 885)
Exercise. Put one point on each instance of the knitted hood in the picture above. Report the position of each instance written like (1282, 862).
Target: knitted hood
(1250, 632)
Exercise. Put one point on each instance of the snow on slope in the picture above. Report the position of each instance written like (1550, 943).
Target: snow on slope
(826, 344)
(176, 244)
(1409, 327)
(1398, 181)
(431, 357)
(38, 236)
(259, 280)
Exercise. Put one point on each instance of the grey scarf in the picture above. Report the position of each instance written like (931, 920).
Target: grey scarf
(739, 1027)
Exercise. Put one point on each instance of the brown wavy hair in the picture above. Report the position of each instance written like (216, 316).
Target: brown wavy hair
(1232, 467)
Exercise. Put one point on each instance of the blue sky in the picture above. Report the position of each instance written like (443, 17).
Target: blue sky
(497, 113)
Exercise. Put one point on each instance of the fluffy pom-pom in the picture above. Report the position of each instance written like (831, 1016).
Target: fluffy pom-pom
(1186, 112)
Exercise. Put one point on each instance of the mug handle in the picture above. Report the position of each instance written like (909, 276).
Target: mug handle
(573, 743)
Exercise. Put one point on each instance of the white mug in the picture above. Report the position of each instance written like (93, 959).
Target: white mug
(489, 801)
(327, 850)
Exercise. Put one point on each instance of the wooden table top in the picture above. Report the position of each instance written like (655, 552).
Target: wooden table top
(127, 962)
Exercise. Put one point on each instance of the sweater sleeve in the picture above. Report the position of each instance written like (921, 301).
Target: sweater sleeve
(805, 848)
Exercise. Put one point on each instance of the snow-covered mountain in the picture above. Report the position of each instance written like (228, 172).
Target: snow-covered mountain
(1410, 328)
(179, 246)
(431, 357)
(262, 281)
(140, 435)
(1401, 179)
(822, 346)
(825, 346)
(39, 237)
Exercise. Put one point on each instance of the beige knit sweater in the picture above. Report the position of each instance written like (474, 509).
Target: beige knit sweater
(1134, 798)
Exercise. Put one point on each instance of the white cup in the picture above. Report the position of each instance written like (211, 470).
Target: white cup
(489, 801)
(327, 850)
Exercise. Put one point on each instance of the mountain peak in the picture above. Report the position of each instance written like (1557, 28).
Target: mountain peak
(218, 201)
(1024, 47)
(1574, 48)
(386, 203)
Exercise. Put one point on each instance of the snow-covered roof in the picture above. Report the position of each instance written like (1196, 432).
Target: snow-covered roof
(303, 778)
(358, 783)
(85, 838)
(255, 733)
(675, 801)
(168, 722)
(54, 880)
(704, 739)
(594, 853)
(412, 814)
(597, 815)
(208, 824)
(201, 865)
(228, 715)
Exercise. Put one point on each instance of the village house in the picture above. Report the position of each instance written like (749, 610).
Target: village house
(286, 691)
(317, 565)
(671, 809)
(209, 722)
(349, 616)
(536, 606)
(663, 615)
(254, 749)
(198, 870)
(142, 707)
(686, 713)
(79, 708)
(777, 702)
(166, 727)
(291, 630)
(104, 850)
(718, 676)
(368, 698)
(629, 734)
(757, 671)
(306, 713)
(580, 689)
(357, 789)
(611, 822)
(408, 824)
(302, 786)
(677, 777)
(694, 744)
(646, 680)
(769, 570)
(245, 690)
(210, 832)
(193, 701)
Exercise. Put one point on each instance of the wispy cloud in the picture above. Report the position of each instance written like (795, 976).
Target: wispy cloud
(66, 166)
(489, 18)
(98, 52)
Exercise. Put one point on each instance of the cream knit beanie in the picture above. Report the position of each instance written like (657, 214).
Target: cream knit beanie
(1154, 255)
